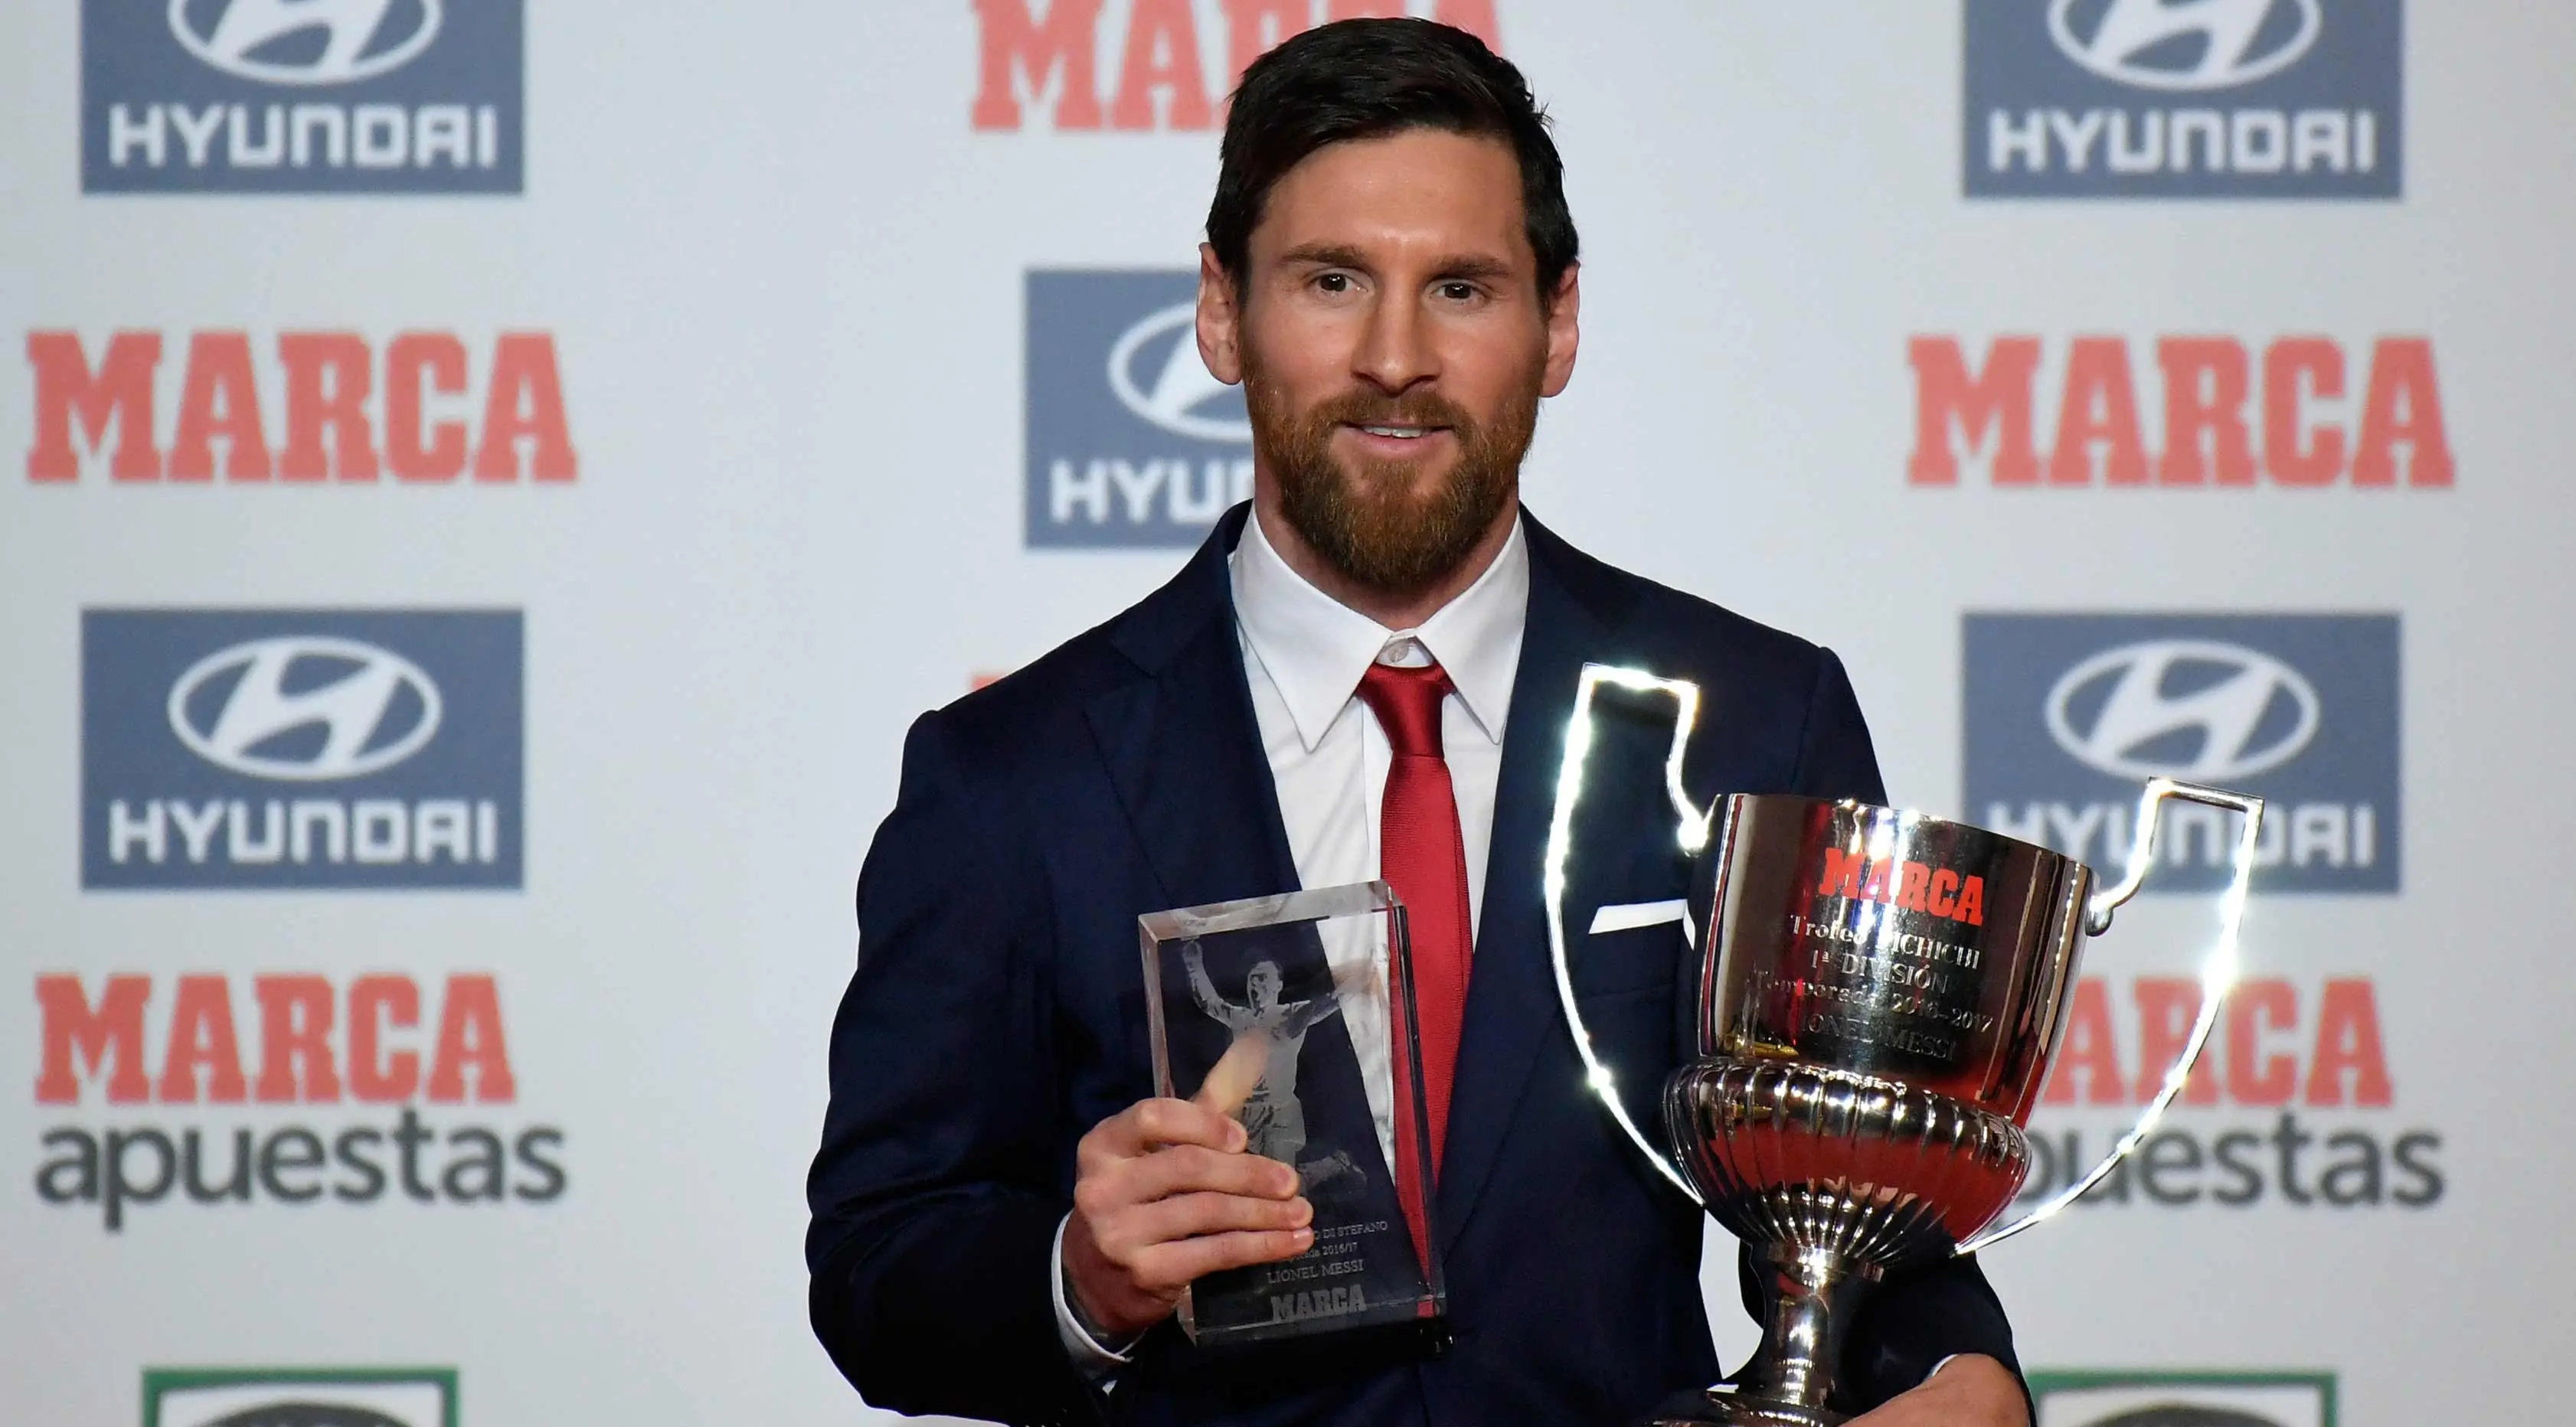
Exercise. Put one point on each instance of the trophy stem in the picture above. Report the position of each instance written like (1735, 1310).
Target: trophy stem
(1814, 1293)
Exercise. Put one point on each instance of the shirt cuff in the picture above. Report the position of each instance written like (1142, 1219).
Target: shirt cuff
(1089, 1357)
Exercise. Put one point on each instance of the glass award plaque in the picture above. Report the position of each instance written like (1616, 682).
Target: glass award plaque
(1294, 1015)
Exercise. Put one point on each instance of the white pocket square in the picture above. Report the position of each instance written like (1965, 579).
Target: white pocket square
(1625, 916)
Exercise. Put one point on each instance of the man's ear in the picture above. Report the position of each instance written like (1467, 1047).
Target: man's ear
(1220, 320)
(1563, 334)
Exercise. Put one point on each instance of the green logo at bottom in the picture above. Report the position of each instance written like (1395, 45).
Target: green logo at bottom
(299, 1397)
(2184, 1399)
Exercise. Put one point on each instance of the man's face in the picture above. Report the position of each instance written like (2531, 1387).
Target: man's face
(1261, 984)
(1393, 348)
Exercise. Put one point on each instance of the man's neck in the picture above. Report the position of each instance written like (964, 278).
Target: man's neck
(1393, 611)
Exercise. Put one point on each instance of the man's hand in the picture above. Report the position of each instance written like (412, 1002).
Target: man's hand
(1971, 1390)
(1164, 1192)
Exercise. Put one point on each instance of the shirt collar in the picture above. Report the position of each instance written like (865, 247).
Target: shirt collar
(1315, 648)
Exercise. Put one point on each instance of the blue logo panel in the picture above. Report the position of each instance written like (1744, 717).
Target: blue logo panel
(248, 749)
(2067, 715)
(1131, 443)
(261, 96)
(2213, 99)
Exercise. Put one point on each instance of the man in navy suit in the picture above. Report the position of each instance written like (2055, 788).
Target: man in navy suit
(1367, 671)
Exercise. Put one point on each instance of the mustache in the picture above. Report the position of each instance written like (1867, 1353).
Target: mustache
(1362, 408)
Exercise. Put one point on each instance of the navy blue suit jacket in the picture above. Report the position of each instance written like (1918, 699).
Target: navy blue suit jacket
(997, 1013)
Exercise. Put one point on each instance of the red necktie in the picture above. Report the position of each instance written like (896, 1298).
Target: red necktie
(1422, 856)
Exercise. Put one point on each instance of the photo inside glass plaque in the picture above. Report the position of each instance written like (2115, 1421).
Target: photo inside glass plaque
(1294, 1015)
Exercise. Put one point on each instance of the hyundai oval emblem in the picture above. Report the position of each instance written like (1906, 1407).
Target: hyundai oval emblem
(1178, 387)
(2235, 711)
(304, 708)
(305, 42)
(2213, 44)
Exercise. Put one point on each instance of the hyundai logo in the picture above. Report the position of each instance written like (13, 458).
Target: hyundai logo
(306, 1414)
(2185, 44)
(304, 708)
(305, 41)
(1180, 384)
(2196, 709)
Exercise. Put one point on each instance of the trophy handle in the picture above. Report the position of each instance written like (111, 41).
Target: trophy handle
(2217, 972)
(1692, 830)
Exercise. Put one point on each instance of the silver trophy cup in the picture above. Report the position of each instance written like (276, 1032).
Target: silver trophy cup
(1878, 995)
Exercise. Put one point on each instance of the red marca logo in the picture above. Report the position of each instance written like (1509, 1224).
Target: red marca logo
(1909, 886)
(301, 1059)
(330, 406)
(2275, 1045)
(1052, 63)
(2232, 416)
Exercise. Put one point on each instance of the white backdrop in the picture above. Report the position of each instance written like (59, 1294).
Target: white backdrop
(785, 281)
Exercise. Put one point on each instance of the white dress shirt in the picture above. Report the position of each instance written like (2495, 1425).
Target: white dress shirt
(1303, 654)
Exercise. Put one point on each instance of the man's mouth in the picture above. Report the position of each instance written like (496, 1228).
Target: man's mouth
(1402, 433)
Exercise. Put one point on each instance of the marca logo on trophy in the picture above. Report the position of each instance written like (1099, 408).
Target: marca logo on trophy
(299, 1397)
(2183, 1399)
(1131, 443)
(300, 748)
(2202, 99)
(302, 96)
(2066, 712)
(1877, 998)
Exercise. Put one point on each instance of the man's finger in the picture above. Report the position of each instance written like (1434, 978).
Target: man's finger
(1186, 1169)
(1186, 1216)
(1165, 1268)
(1094, 1153)
(1150, 1124)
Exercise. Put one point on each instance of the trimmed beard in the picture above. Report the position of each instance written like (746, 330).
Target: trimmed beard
(1366, 524)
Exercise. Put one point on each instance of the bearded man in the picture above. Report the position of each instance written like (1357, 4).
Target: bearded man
(1367, 671)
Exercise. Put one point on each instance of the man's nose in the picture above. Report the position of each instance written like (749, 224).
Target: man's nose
(1396, 350)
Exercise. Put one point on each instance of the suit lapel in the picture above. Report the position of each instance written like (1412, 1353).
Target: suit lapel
(1182, 747)
(1511, 993)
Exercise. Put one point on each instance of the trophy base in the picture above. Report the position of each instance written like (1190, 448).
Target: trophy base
(1718, 1407)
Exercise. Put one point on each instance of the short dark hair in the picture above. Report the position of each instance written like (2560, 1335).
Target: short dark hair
(1362, 79)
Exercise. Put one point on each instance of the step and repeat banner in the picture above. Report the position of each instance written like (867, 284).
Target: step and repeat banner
(489, 482)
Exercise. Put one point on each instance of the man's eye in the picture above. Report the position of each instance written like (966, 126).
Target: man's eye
(1458, 291)
(1334, 282)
